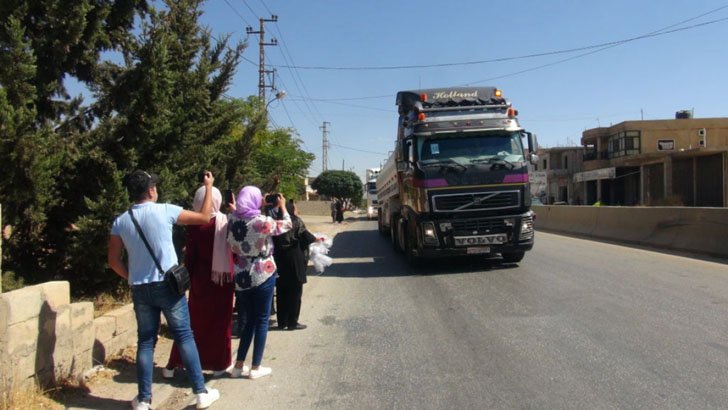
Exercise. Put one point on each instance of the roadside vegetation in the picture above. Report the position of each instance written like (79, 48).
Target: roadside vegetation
(157, 82)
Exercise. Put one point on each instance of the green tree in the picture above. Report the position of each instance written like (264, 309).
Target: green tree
(164, 111)
(340, 184)
(280, 163)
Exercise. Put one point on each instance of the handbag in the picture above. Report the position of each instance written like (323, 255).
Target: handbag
(177, 277)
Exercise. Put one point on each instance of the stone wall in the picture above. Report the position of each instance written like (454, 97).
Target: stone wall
(321, 208)
(43, 336)
(46, 338)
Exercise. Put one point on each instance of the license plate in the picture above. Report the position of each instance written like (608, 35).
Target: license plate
(477, 240)
(476, 251)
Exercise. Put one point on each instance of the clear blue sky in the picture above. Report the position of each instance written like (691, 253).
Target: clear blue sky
(648, 78)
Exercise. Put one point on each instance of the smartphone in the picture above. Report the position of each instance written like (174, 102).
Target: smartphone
(229, 196)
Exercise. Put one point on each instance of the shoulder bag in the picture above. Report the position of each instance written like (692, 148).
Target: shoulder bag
(177, 277)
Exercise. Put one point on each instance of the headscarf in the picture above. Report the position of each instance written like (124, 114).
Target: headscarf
(249, 201)
(221, 254)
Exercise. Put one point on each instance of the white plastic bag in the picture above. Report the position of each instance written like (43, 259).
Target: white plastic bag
(318, 252)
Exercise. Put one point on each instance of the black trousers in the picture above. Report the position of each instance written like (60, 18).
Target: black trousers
(288, 303)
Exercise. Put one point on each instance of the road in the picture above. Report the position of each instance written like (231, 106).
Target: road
(577, 324)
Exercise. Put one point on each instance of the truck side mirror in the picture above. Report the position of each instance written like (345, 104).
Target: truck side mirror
(532, 147)
(408, 150)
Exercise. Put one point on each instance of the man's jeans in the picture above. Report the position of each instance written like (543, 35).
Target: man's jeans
(255, 305)
(150, 300)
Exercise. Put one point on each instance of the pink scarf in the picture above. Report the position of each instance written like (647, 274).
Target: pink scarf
(221, 254)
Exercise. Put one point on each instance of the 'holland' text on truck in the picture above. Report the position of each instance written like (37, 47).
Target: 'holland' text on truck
(457, 180)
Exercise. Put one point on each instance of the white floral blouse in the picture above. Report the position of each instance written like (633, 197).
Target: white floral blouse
(252, 247)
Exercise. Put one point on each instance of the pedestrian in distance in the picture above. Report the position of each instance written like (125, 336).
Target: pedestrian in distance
(208, 259)
(151, 295)
(290, 256)
(333, 210)
(250, 236)
(339, 210)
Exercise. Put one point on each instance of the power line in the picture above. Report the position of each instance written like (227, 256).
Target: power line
(250, 8)
(502, 59)
(358, 149)
(236, 12)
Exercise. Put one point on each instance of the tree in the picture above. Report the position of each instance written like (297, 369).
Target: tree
(164, 111)
(340, 184)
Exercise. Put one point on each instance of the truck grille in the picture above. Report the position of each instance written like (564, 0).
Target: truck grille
(479, 226)
(476, 201)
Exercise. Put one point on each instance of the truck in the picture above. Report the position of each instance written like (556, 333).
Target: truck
(457, 182)
(370, 188)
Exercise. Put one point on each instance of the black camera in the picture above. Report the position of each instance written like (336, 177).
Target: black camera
(272, 199)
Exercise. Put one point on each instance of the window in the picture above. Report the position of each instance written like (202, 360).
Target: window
(566, 162)
(624, 143)
(544, 165)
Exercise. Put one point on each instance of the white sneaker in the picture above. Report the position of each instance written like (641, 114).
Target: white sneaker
(167, 373)
(205, 400)
(218, 373)
(244, 371)
(262, 371)
(140, 405)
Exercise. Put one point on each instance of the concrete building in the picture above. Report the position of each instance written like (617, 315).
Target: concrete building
(676, 162)
(552, 178)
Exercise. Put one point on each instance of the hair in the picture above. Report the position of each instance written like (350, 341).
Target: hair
(138, 184)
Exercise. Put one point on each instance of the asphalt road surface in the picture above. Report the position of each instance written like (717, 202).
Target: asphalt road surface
(577, 324)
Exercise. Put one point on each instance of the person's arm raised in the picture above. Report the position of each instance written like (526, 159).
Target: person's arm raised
(199, 218)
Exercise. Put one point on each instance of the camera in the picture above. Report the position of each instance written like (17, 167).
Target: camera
(229, 196)
(272, 199)
(271, 206)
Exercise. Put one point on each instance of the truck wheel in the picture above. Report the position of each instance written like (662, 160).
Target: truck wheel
(409, 246)
(513, 257)
(393, 228)
(402, 234)
(380, 224)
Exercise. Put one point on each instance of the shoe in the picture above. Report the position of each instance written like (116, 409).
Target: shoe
(235, 372)
(262, 371)
(167, 373)
(205, 400)
(218, 373)
(299, 326)
(140, 405)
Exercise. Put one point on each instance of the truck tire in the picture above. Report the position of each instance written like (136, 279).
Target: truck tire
(380, 224)
(393, 228)
(513, 257)
(409, 246)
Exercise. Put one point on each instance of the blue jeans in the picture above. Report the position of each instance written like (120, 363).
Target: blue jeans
(150, 300)
(254, 304)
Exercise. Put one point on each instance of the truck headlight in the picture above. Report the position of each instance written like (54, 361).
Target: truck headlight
(526, 228)
(429, 235)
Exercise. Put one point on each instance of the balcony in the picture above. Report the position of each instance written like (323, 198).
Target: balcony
(595, 160)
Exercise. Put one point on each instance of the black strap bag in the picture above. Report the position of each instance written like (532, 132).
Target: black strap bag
(177, 277)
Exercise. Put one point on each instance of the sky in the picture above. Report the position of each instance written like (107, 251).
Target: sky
(567, 65)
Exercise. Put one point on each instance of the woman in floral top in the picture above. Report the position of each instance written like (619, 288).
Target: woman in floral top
(249, 236)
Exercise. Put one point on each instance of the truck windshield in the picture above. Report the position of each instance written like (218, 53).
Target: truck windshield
(465, 149)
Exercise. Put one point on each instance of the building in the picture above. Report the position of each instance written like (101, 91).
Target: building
(676, 162)
(552, 178)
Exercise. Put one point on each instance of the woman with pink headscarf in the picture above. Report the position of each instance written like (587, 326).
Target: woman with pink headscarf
(250, 238)
(207, 257)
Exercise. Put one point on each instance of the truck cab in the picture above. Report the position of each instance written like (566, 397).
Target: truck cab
(457, 181)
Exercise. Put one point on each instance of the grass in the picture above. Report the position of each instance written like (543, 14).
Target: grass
(27, 398)
(107, 302)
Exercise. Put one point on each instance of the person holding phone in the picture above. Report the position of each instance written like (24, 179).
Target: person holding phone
(150, 294)
(250, 235)
(208, 259)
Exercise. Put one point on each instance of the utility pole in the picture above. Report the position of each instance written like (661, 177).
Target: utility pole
(261, 65)
(325, 146)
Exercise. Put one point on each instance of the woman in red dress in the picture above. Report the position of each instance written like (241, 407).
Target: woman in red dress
(208, 259)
